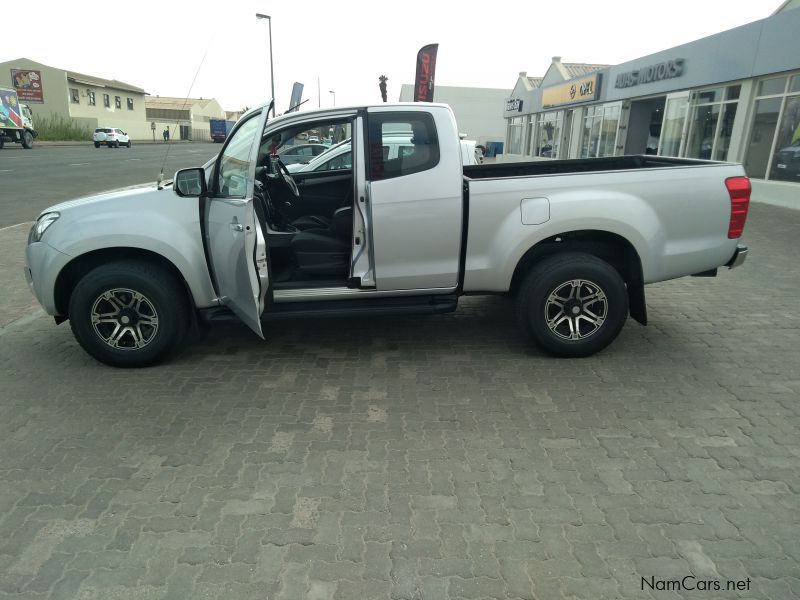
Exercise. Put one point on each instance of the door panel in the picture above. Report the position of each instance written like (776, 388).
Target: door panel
(235, 245)
(416, 204)
(321, 193)
(240, 274)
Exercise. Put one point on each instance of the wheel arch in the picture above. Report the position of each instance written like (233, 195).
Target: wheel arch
(74, 270)
(610, 247)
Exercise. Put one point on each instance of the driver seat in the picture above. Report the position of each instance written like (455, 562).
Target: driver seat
(307, 222)
(325, 250)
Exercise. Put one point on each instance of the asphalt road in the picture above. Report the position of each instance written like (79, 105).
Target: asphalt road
(32, 180)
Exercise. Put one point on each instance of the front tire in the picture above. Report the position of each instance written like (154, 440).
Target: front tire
(27, 140)
(572, 304)
(129, 313)
(129, 144)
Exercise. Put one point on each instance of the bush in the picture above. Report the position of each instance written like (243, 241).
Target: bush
(58, 128)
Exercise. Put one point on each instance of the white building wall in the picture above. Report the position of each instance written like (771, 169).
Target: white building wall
(479, 111)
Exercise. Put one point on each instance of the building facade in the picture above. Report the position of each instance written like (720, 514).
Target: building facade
(87, 100)
(186, 118)
(731, 96)
(475, 110)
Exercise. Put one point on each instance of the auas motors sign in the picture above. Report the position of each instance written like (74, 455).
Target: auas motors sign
(658, 72)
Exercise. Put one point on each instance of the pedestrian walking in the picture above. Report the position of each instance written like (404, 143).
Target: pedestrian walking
(166, 134)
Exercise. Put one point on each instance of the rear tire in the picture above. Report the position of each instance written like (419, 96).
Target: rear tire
(129, 313)
(97, 144)
(572, 304)
(27, 140)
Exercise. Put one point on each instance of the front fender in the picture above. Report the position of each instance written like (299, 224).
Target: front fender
(171, 230)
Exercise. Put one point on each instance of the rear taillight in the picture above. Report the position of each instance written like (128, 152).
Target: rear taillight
(739, 191)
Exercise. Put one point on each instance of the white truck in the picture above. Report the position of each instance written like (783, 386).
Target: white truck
(574, 241)
(16, 120)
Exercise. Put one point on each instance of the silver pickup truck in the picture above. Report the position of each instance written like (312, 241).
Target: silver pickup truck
(573, 240)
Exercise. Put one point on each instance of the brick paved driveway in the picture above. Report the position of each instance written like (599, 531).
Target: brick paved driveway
(435, 457)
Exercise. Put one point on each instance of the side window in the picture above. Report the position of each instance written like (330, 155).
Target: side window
(235, 160)
(343, 161)
(421, 155)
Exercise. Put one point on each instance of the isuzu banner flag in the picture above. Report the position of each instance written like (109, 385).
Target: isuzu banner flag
(426, 67)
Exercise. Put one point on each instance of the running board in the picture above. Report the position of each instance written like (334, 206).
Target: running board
(413, 305)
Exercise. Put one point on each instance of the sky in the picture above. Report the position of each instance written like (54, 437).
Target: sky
(220, 50)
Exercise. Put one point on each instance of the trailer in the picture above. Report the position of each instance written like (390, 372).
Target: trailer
(220, 128)
(16, 120)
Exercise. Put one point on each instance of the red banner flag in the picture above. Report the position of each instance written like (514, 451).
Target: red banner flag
(426, 67)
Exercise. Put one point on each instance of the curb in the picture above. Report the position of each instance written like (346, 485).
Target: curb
(89, 143)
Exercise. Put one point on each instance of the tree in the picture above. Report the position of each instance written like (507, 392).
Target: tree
(382, 85)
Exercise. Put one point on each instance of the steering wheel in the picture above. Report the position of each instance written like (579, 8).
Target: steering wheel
(287, 179)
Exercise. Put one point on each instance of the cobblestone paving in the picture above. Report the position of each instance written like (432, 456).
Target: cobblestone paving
(434, 457)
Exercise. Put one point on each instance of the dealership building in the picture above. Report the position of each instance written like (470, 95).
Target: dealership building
(731, 96)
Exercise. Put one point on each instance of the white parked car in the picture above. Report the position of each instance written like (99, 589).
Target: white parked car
(112, 137)
(394, 146)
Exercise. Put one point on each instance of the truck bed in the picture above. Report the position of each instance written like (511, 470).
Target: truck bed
(579, 165)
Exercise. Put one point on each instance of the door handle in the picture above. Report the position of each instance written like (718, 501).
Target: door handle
(237, 227)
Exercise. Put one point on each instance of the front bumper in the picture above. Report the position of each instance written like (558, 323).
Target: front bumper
(43, 263)
(738, 257)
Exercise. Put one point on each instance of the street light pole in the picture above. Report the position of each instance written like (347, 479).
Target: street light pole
(271, 72)
(334, 96)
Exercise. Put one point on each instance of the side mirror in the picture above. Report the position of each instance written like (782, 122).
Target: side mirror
(190, 183)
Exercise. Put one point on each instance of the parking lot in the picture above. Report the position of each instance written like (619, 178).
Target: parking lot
(414, 457)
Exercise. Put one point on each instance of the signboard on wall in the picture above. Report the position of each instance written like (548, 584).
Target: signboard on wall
(658, 72)
(584, 89)
(28, 85)
(514, 105)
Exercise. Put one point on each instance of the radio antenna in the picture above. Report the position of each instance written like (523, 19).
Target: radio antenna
(185, 102)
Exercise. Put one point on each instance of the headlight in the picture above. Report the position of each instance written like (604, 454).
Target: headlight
(41, 225)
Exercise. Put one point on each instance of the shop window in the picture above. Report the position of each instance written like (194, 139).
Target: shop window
(548, 134)
(672, 126)
(771, 87)
(773, 150)
(600, 127)
(725, 131)
(765, 122)
(530, 137)
(106, 100)
(711, 123)
(515, 129)
(117, 101)
(74, 96)
(90, 95)
(702, 128)
(786, 160)
(130, 103)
